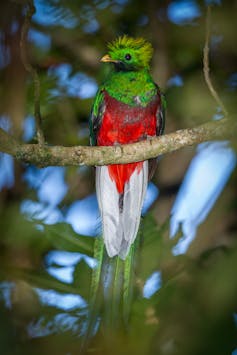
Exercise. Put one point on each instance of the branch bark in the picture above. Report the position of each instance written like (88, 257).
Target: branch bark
(45, 155)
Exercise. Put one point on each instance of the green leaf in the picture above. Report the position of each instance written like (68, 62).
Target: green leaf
(82, 279)
(40, 279)
(62, 236)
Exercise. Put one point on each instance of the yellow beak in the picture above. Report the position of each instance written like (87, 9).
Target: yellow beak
(106, 59)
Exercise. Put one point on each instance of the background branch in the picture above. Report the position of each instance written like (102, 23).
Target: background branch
(44, 155)
(23, 45)
(206, 65)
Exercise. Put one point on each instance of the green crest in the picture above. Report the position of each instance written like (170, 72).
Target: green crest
(134, 53)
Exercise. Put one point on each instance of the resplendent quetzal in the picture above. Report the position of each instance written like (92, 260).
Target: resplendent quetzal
(128, 107)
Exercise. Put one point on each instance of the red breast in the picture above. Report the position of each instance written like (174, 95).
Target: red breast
(122, 124)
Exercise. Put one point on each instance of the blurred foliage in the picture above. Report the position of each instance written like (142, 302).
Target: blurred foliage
(193, 311)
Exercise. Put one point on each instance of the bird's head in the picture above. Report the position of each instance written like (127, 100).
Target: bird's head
(128, 53)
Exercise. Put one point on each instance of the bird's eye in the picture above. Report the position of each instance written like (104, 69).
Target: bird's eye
(128, 56)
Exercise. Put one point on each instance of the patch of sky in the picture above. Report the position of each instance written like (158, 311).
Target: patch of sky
(61, 264)
(183, 12)
(91, 26)
(14, 26)
(34, 177)
(28, 126)
(63, 274)
(49, 183)
(41, 328)
(66, 258)
(143, 20)
(6, 288)
(91, 262)
(40, 39)
(152, 194)
(175, 80)
(51, 189)
(152, 284)
(121, 2)
(204, 181)
(66, 322)
(66, 302)
(61, 322)
(218, 115)
(4, 52)
(116, 9)
(4, 57)
(211, 2)
(101, 5)
(49, 15)
(62, 258)
(74, 85)
(232, 82)
(234, 352)
(7, 178)
(5, 123)
(83, 132)
(34, 210)
(235, 318)
(215, 41)
(83, 215)
(83, 86)
(83, 169)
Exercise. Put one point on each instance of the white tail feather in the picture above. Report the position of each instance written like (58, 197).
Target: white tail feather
(120, 227)
(108, 200)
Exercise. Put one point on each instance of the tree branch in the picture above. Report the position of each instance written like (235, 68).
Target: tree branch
(44, 155)
(206, 65)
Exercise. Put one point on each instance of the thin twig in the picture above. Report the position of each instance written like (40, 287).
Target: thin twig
(25, 60)
(206, 65)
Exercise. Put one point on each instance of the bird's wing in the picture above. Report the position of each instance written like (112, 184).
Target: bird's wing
(96, 117)
(160, 115)
(160, 126)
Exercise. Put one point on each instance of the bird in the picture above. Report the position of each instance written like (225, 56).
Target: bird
(128, 107)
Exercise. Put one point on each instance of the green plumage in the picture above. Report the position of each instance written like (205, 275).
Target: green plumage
(132, 87)
(134, 79)
(130, 82)
(140, 50)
